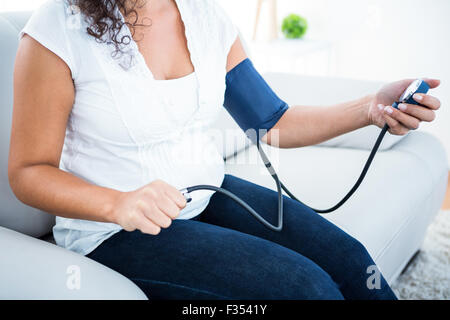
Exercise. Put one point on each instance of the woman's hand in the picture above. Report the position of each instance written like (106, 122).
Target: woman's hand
(408, 116)
(149, 208)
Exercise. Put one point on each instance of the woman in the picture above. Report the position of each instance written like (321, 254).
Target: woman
(108, 92)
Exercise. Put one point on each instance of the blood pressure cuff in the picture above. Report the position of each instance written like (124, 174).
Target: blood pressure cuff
(251, 102)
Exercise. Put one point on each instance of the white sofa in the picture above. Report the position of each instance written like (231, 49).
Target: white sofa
(389, 214)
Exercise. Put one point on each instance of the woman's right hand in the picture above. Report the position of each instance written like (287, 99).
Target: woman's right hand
(149, 208)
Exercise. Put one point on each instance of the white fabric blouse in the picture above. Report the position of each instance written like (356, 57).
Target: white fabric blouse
(127, 129)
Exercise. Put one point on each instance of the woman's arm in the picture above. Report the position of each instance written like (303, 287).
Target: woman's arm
(305, 125)
(43, 99)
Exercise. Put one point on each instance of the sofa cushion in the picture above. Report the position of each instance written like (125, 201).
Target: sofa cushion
(34, 269)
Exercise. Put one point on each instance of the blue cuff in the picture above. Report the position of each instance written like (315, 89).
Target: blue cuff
(250, 100)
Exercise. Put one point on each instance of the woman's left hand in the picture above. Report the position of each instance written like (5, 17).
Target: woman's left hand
(407, 117)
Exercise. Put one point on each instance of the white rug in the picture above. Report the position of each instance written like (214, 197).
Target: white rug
(428, 276)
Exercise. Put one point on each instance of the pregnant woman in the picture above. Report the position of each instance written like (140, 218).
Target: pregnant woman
(114, 100)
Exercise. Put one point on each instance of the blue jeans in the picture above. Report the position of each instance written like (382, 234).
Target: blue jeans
(226, 254)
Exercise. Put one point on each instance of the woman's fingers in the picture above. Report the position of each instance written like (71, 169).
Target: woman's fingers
(418, 112)
(167, 206)
(149, 208)
(394, 126)
(427, 101)
(146, 225)
(152, 212)
(433, 83)
(176, 196)
(409, 116)
(402, 118)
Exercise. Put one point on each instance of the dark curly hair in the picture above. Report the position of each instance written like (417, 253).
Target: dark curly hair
(105, 24)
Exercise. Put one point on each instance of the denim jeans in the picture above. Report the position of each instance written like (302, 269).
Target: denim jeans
(225, 253)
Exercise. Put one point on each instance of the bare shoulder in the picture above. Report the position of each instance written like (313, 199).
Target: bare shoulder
(33, 60)
(237, 54)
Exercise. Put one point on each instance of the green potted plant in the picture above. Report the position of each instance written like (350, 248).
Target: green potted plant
(294, 26)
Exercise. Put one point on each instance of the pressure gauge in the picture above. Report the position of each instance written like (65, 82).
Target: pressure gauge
(411, 90)
(417, 86)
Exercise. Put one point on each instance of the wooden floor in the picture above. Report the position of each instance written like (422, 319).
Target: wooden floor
(446, 205)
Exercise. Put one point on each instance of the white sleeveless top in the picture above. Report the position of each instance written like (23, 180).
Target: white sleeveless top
(127, 129)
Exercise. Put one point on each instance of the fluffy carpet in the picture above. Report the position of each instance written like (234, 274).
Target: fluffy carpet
(428, 276)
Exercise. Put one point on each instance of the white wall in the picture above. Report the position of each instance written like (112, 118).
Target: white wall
(14, 5)
(376, 39)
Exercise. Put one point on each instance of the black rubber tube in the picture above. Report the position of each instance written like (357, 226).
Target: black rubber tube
(245, 205)
(355, 186)
(281, 186)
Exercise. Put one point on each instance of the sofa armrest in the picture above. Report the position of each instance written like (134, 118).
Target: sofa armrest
(35, 269)
(430, 153)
